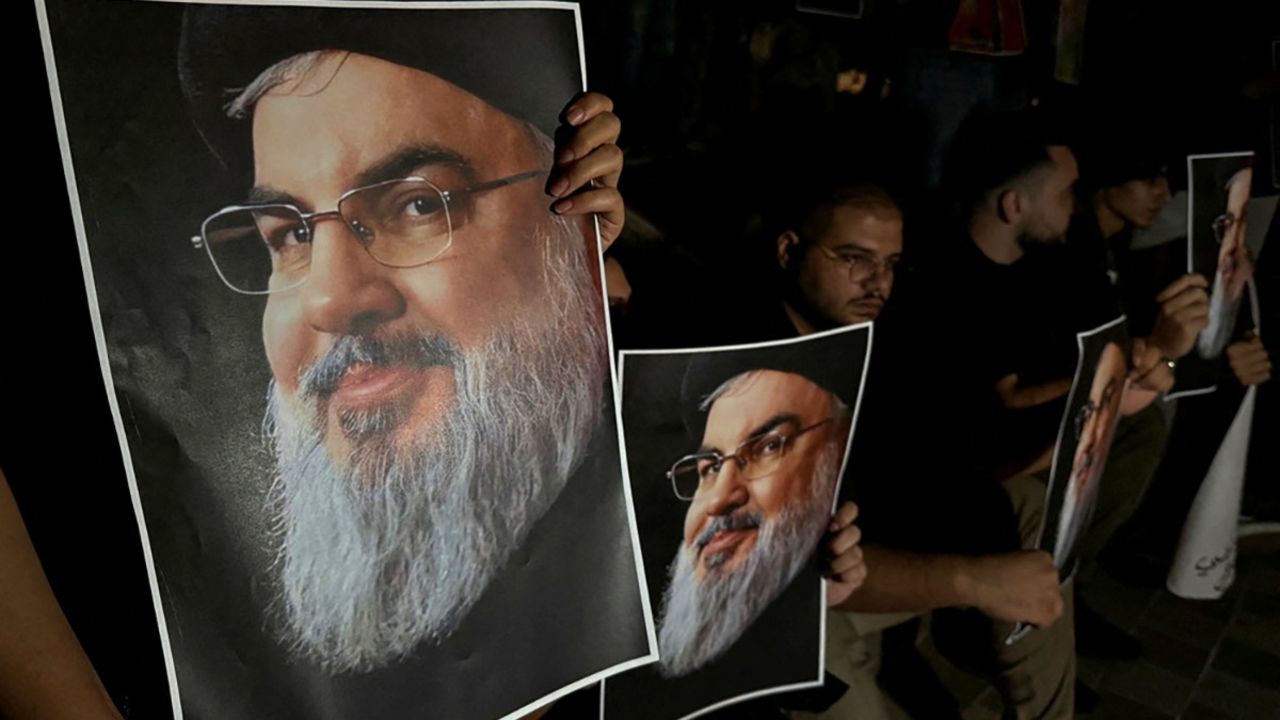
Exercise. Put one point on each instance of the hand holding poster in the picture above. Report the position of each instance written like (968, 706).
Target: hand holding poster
(434, 522)
(736, 456)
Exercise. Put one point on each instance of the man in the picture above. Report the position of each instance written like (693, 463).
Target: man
(439, 402)
(1094, 428)
(950, 543)
(839, 258)
(1234, 267)
(760, 489)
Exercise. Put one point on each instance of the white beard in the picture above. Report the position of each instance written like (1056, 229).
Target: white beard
(1222, 320)
(702, 619)
(392, 546)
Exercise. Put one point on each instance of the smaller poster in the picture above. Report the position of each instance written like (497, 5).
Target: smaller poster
(736, 457)
(1220, 186)
(1084, 440)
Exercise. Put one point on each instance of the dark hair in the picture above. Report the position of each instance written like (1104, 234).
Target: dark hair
(993, 150)
(1118, 152)
(809, 211)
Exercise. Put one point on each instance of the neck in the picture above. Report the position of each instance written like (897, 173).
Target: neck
(802, 326)
(996, 239)
(1109, 223)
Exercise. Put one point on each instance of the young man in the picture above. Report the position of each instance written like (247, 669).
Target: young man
(937, 536)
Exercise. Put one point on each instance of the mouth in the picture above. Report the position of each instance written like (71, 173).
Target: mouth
(868, 306)
(723, 545)
(368, 384)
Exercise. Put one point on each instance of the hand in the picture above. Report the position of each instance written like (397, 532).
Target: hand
(1150, 375)
(588, 165)
(1184, 312)
(1019, 586)
(1249, 361)
(845, 569)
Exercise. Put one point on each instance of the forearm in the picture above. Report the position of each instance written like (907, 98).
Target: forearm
(901, 581)
(44, 673)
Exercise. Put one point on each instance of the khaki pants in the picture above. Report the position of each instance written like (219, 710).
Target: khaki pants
(1035, 676)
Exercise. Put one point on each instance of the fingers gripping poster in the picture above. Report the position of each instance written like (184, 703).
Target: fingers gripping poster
(736, 456)
(360, 372)
(1088, 427)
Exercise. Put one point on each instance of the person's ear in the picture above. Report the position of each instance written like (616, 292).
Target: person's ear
(1009, 206)
(788, 241)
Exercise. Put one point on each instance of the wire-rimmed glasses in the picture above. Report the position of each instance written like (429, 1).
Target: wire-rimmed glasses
(258, 249)
(756, 457)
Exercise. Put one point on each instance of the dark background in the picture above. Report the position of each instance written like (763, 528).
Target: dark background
(710, 135)
(1064, 455)
(781, 646)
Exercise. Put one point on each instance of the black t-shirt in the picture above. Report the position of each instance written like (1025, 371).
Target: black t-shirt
(984, 321)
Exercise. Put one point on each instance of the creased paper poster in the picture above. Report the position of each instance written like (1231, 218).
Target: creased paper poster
(736, 456)
(1088, 426)
(360, 372)
(1220, 185)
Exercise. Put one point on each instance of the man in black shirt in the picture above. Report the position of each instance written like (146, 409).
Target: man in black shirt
(934, 537)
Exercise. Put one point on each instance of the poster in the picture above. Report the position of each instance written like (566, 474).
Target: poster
(360, 373)
(1220, 186)
(736, 456)
(1084, 440)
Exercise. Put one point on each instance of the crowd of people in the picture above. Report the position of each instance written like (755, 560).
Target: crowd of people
(977, 292)
(974, 355)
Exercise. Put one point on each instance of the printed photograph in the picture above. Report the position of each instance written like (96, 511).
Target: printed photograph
(736, 459)
(362, 368)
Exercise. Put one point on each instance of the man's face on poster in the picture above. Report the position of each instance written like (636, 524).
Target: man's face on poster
(1235, 266)
(1096, 424)
(402, 394)
(767, 471)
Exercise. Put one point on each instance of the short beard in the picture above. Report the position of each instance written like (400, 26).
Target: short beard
(393, 545)
(702, 619)
(1028, 240)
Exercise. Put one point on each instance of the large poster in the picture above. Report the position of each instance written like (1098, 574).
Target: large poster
(736, 456)
(1084, 440)
(1220, 185)
(360, 372)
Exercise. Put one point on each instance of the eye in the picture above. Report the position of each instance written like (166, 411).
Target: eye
(290, 235)
(709, 468)
(422, 205)
(770, 445)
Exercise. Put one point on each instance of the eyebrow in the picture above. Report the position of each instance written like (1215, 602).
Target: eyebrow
(764, 427)
(399, 163)
(853, 246)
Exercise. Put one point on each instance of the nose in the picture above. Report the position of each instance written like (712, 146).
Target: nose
(347, 292)
(880, 280)
(727, 492)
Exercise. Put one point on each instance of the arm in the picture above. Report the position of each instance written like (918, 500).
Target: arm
(1021, 397)
(44, 673)
(1016, 586)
